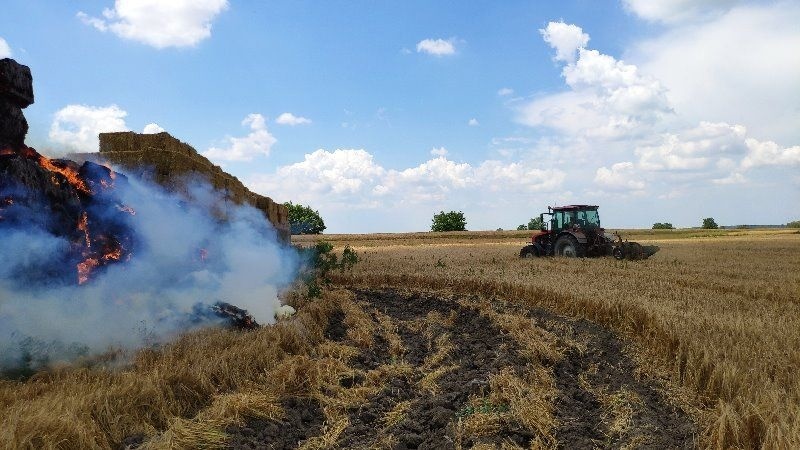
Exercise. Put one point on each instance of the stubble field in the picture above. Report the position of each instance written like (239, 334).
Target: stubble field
(452, 341)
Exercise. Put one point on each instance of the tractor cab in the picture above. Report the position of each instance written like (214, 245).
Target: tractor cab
(574, 217)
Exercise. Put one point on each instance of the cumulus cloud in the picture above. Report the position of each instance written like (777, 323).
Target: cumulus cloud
(770, 154)
(323, 174)
(161, 24)
(671, 11)
(76, 127)
(258, 142)
(437, 47)
(473, 122)
(566, 39)
(5, 49)
(292, 120)
(621, 176)
(353, 178)
(607, 98)
(695, 148)
(152, 128)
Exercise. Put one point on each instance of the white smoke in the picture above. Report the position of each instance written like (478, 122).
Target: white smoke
(151, 297)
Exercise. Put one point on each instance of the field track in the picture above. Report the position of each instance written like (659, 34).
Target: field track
(588, 394)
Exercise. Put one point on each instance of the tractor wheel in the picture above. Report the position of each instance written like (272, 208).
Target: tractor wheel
(528, 251)
(618, 253)
(568, 247)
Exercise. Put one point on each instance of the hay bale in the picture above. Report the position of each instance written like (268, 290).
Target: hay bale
(171, 163)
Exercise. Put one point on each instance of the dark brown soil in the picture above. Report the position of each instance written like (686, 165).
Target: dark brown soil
(480, 350)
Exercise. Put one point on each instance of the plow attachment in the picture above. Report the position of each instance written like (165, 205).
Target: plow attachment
(632, 250)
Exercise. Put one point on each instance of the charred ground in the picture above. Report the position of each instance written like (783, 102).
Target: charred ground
(461, 378)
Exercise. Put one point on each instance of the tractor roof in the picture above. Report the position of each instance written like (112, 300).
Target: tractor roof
(573, 207)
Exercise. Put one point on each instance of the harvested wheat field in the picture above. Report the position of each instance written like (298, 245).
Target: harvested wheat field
(452, 341)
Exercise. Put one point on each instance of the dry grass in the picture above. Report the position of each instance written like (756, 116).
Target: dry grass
(715, 313)
(173, 395)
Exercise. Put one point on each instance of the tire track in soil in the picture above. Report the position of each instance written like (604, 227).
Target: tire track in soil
(604, 366)
(480, 350)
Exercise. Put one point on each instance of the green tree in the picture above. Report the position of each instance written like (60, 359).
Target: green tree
(535, 223)
(304, 220)
(522, 227)
(710, 224)
(449, 221)
(662, 226)
(793, 224)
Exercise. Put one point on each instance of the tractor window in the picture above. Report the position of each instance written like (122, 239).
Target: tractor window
(558, 220)
(590, 217)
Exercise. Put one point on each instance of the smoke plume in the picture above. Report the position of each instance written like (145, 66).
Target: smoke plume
(184, 258)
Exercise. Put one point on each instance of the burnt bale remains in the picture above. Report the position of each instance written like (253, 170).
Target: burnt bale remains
(16, 93)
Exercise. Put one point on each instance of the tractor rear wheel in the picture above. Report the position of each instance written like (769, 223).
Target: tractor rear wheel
(569, 247)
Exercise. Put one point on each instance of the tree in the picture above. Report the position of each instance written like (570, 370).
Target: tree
(710, 224)
(662, 226)
(535, 223)
(450, 221)
(522, 227)
(793, 224)
(304, 220)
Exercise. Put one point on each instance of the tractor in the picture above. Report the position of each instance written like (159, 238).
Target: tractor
(574, 231)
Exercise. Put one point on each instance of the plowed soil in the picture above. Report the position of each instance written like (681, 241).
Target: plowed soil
(597, 402)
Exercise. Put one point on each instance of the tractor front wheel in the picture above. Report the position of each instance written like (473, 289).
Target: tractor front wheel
(529, 251)
(568, 247)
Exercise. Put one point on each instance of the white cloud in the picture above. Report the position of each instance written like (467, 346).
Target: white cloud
(736, 68)
(352, 178)
(770, 154)
(258, 142)
(607, 98)
(441, 151)
(473, 122)
(152, 128)
(76, 127)
(290, 119)
(622, 176)
(502, 92)
(5, 49)
(671, 11)
(161, 24)
(733, 178)
(566, 39)
(437, 47)
(323, 176)
(694, 149)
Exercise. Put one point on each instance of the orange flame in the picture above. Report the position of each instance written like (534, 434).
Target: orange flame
(85, 269)
(84, 226)
(70, 174)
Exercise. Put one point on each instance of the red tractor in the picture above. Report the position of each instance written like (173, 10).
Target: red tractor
(574, 231)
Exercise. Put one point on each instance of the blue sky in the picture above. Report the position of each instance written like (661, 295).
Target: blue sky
(379, 114)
